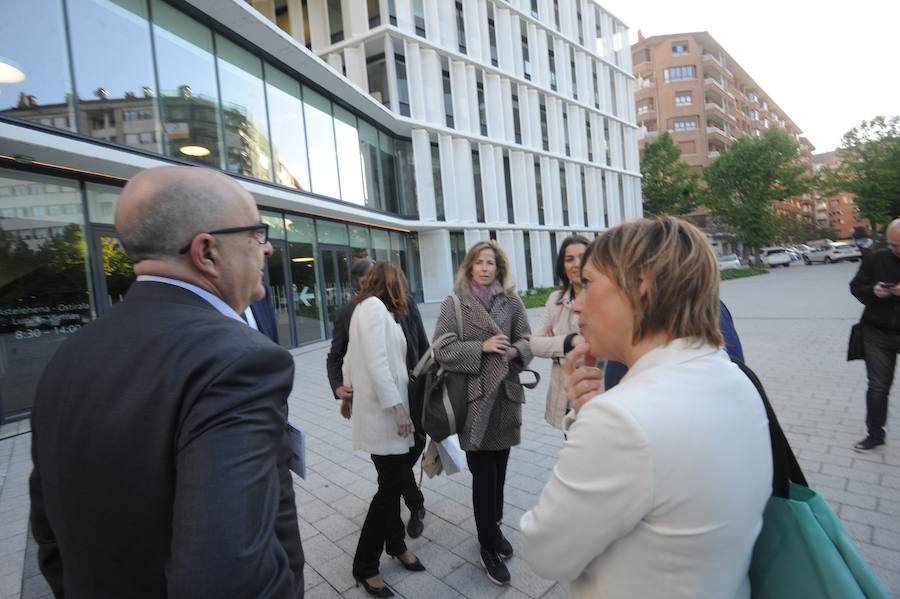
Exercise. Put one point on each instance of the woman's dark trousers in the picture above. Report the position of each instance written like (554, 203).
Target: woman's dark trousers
(383, 528)
(488, 470)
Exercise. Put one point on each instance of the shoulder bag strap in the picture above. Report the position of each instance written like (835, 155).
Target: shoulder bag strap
(459, 319)
(785, 468)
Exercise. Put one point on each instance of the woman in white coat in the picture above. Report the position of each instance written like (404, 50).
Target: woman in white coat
(375, 367)
(557, 332)
(661, 484)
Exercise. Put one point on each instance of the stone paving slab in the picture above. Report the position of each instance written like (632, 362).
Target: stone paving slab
(793, 324)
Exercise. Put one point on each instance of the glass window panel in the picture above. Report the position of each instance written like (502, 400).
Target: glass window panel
(374, 13)
(288, 131)
(114, 71)
(414, 272)
(279, 294)
(275, 220)
(368, 149)
(304, 290)
(320, 134)
(402, 83)
(189, 94)
(44, 290)
(359, 242)
(102, 200)
(406, 177)
(438, 184)
(349, 163)
(244, 111)
(399, 250)
(392, 203)
(34, 42)
(332, 232)
(376, 70)
(381, 244)
(335, 20)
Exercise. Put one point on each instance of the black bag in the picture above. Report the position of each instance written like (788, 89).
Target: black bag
(445, 401)
(855, 348)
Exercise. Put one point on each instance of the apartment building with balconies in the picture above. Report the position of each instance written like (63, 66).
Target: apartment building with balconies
(839, 212)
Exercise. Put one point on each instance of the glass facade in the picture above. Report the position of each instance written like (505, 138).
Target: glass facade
(176, 87)
(62, 265)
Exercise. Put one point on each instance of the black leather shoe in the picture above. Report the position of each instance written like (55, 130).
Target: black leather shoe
(868, 444)
(415, 526)
(504, 547)
(374, 591)
(413, 566)
(494, 568)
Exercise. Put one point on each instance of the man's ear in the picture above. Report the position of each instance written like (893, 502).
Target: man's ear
(204, 254)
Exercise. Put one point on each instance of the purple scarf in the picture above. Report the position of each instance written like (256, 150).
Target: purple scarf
(487, 293)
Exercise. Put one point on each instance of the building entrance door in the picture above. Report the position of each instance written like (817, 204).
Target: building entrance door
(334, 263)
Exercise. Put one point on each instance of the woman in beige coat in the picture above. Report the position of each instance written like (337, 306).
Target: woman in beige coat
(557, 332)
(491, 349)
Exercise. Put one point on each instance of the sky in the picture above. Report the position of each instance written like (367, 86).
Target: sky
(829, 65)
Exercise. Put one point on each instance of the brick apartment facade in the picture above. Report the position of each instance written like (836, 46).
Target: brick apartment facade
(839, 212)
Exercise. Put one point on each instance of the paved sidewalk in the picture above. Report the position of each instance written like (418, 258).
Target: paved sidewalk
(795, 344)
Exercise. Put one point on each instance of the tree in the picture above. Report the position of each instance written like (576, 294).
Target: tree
(744, 181)
(668, 186)
(869, 169)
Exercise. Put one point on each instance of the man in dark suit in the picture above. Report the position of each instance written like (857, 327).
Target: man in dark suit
(264, 317)
(159, 444)
(416, 344)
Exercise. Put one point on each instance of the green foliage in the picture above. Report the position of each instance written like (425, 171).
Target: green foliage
(668, 185)
(756, 269)
(536, 298)
(753, 173)
(869, 169)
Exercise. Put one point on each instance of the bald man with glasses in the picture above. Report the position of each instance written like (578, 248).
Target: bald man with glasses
(877, 286)
(159, 445)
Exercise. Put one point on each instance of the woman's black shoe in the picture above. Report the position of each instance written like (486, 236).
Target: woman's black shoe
(415, 566)
(374, 591)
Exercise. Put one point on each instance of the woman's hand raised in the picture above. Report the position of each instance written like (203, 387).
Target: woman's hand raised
(582, 382)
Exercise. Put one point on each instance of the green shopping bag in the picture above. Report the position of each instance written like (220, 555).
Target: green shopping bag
(803, 550)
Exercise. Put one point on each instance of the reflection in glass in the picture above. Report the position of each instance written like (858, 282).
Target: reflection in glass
(335, 265)
(307, 319)
(279, 294)
(381, 244)
(288, 132)
(349, 163)
(332, 232)
(189, 96)
(320, 133)
(33, 37)
(114, 72)
(392, 201)
(406, 173)
(44, 293)
(244, 111)
(398, 249)
(368, 149)
(414, 271)
(118, 271)
(102, 200)
(359, 242)
(376, 69)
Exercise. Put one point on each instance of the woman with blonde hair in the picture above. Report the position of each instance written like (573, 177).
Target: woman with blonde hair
(492, 349)
(661, 484)
(557, 332)
(375, 367)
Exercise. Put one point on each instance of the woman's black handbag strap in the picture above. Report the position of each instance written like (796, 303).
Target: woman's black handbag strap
(785, 468)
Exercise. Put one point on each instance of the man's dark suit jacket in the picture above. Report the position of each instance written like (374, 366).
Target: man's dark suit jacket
(264, 314)
(160, 456)
(416, 344)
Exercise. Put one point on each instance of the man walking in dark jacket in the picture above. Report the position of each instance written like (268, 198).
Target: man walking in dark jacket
(876, 286)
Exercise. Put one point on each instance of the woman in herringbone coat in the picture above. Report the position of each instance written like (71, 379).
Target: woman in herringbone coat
(492, 349)
(557, 332)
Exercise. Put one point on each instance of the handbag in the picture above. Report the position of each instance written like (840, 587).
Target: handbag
(802, 550)
(855, 348)
(445, 401)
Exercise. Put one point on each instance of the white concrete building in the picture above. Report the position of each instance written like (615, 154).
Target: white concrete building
(403, 130)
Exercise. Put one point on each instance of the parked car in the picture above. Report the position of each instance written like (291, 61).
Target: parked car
(832, 251)
(730, 262)
(776, 256)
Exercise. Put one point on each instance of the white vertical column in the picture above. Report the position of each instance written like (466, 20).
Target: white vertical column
(540, 59)
(295, 21)
(460, 96)
(473, 27)
(534, 119)
(356, 22)
(433, 85)
(531, 189)
(391, 68)
(507, 240)
(612, 198)
(319, 33)
(503, 26)
(590, 198)
(437, 264)
(485, 33)
(432, 20)
(336, 61)
(597, 137)
(585, 78)
(491, 171)
(554, 198)
(355, 65)
(525, 114)
(500, 180)
(638, 204)
(555, 125)
(516, 32)
(404, 16)
(551, 214)
(414, 73)
(573, 193)
(421, 145)
(577, 132)
(465, 180)
(509, 132)
(448, 181)
(615, 144)
(472, 101)
(519, 188)
(563, 72)
(448, 36)
(516, 255)
(471, 236)
(537, 258)
(493, 106)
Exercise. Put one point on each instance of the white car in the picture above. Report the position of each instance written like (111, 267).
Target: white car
(832, 251)
(776, 256)
(730, 262)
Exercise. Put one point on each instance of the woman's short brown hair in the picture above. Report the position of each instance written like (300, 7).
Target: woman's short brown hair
(388, 283)
(679, 270)
(463, 284)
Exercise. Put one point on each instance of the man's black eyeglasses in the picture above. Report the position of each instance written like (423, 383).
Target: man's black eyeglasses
(261, 231)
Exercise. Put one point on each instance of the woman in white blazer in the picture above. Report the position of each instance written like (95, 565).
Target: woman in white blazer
(557, 332)
(661, 484)
(375, 368)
